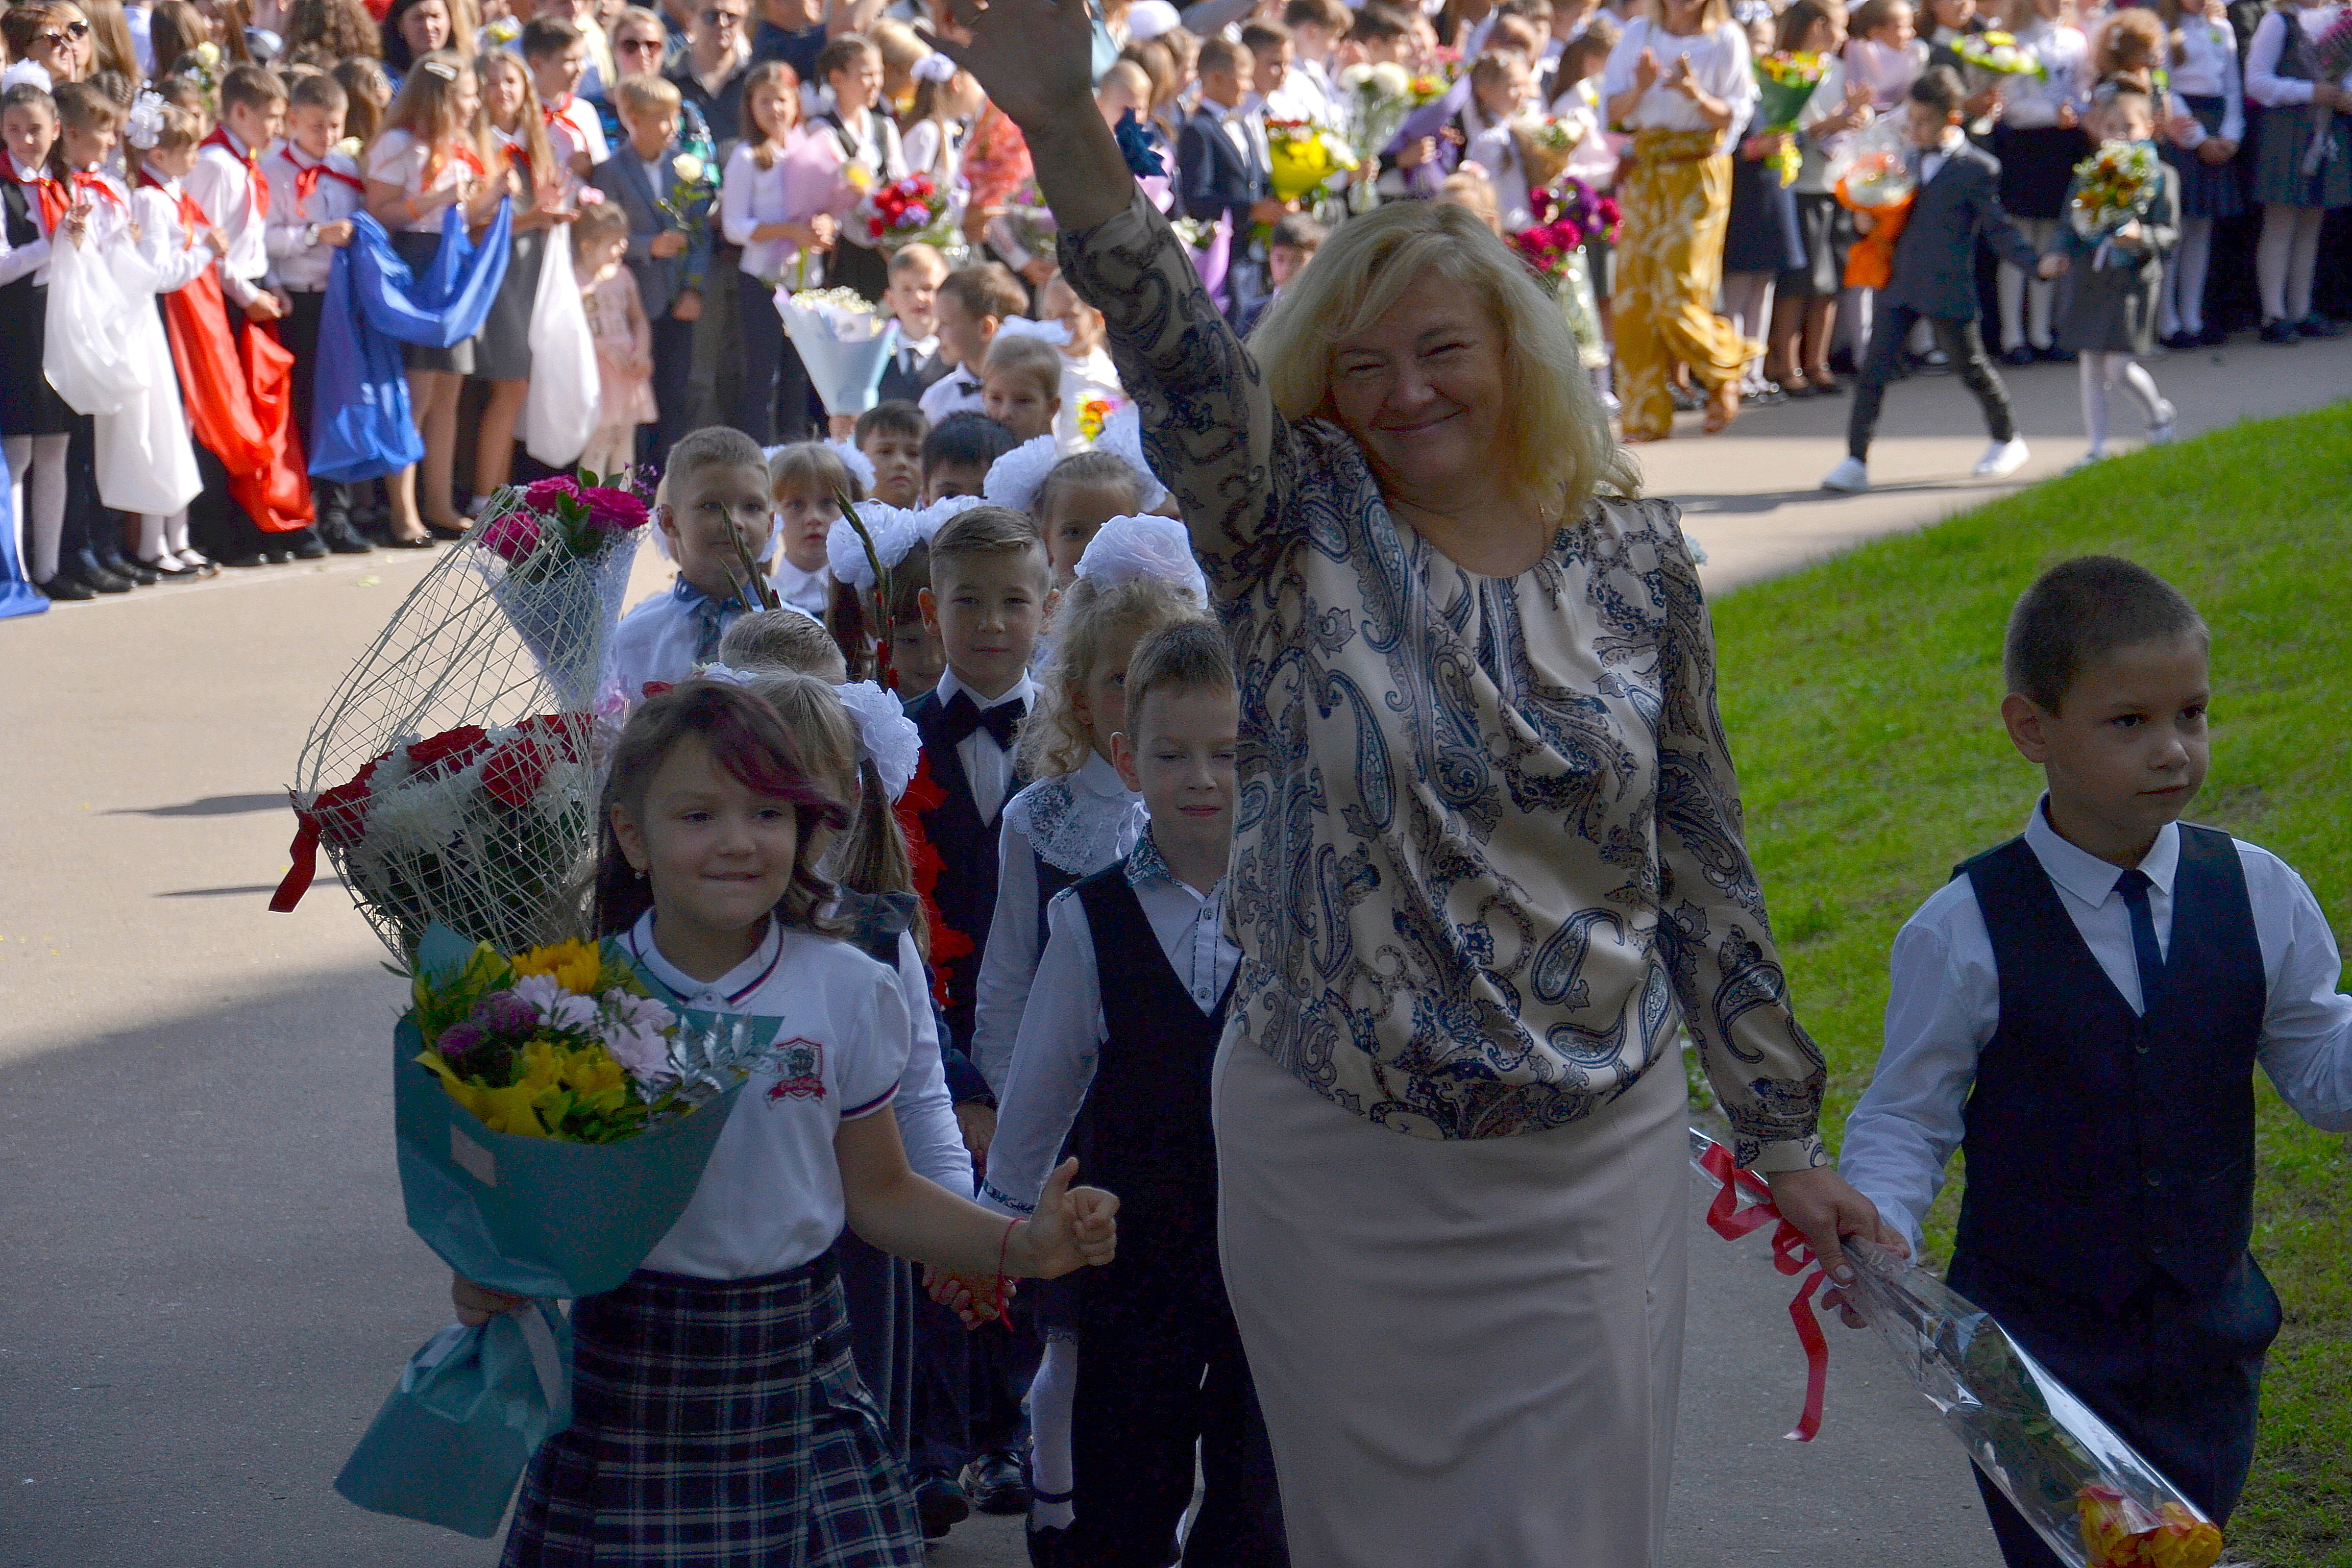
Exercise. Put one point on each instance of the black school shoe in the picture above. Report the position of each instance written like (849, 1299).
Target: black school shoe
(339, 536)
(65, 588)
(86, 566)
(2021, 356)
(996, 1483)
(304, 544)
(2281, 332)
(940, 1504)
(140, 575)
(2318, 326)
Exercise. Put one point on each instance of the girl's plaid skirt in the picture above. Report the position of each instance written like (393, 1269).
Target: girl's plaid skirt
(717, 1424)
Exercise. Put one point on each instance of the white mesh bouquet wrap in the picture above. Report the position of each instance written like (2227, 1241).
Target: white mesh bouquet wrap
(450, 777)
(885, 736)
(895, 531)
(1149, 546)
(1122, 438)
(1013, 478)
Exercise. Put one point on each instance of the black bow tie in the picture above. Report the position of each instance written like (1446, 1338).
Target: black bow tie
(961, 716)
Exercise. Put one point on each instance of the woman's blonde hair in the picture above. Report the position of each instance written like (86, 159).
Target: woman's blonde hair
(871, 855)
(1371, 264)
(1088, 625)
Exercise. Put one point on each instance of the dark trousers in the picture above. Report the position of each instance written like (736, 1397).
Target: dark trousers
(879, 1292)
(673, 382)
(858, 267)
(299, 332)
(940, 1441)
(1156, 1375)
(1961, 343)
(2178, 1376)
(771, 400)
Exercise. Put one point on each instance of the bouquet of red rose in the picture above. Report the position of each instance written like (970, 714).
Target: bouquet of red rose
(1553, 247)
(906, 212)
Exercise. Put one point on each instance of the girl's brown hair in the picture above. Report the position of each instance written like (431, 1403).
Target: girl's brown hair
(80, 105)
(341, 27)
(537, 162)
(2131, 42)
(765, 149)
(232, 18)
(110, 33)
(746, 736)
(871, 856)
(1088, 625)
(427, 110)
(366, 90)
(1800, 18)
(174, 28)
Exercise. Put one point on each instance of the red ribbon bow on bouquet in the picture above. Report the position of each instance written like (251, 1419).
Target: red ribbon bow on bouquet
(1791, 1254)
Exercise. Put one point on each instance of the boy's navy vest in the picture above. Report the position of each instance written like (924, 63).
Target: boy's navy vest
(2105, 1147)
(966, 890)
(1144, 1131)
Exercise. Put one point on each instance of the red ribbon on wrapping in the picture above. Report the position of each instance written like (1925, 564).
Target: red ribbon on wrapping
(305, 856)
(1791, 1255)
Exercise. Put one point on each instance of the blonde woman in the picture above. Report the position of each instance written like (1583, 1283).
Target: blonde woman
(1679, 79)
(1489, 847)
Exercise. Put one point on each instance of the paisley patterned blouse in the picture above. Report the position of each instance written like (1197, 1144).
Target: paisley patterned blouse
(1488, 841)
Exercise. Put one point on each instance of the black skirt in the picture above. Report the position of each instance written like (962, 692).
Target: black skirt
(2207, 190)
(1763, 235)
(1825, 230)
(418, 249)
(502, 348)
(2036, 167)
(29, 405)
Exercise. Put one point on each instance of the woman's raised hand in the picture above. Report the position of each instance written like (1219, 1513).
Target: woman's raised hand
(1034, 59)
(1645, 71)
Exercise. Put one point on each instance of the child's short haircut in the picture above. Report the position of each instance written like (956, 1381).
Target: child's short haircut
(987, 289)
(1220, 54)
(913, 256)
(1259, 37)
(317, 90)
(984, 531)
(814, 468)
(598, 221)
(1027, 356)
(1330, 14)
(712, 447)
(1380, 23)
(1190, 656)
(544, 37)
(1600, 37)
(1301, 233)
(2075, 612)
(896, 417)
(837, 55)
(183, 92)
(1938, 88)
(965, 439)
(28, 95)
(1087, 470)
(646, 95)
(783, 639)
(251, 87)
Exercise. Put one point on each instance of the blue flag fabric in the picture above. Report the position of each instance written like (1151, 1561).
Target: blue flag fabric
(17, 596)
(362, 425)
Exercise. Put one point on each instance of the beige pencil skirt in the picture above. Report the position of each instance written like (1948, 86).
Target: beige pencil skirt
(1467, 1352)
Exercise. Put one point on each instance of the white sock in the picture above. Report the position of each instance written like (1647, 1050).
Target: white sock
(2184, 292)
(2142, 386)
(2094, 368)
(38, 463)
(2304, 262)
(175, 535)
(2272, 256)
(1051, 1396)
(151, 540)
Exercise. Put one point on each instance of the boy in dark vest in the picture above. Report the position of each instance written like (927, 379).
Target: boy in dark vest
(990, 582)
(1114, 1056)
(2080, 1010)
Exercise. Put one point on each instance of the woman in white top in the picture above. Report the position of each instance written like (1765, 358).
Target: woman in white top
(1679, 79)
(2305, 165)
(2202, 144)
(2039, 142)
(772, 203)
(426, 159)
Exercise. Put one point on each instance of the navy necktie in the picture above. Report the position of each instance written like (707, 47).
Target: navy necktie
(2134, 886)
(710, 619)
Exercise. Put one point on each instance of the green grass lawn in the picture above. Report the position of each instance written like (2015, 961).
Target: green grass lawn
(1862, 697)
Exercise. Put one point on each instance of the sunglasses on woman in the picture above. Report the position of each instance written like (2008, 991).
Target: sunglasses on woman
(73, 32)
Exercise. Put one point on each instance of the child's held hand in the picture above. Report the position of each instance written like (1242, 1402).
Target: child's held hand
(2050, 266)
(1074, 1228)
(477, 1304)
(972, 1300)
(688, 307)
(337, 234)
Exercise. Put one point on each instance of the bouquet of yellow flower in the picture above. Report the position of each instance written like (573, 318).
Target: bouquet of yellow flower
(1784, 84)
(1305, 157)
(2112, 186)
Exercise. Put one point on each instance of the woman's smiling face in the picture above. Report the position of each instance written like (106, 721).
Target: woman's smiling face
(1423, 391)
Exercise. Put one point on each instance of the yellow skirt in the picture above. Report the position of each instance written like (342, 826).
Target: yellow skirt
(1675, 195)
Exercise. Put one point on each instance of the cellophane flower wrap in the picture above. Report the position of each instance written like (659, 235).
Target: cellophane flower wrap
(552, 1119)
(1374, 100)
(900, 213)
(1871, 174)
(2112, 187)
(1785, 80)
(449, 778)
(844, 340)
(2090, 1496)
(1305, 159)
(1553, 247)
(1545, 142)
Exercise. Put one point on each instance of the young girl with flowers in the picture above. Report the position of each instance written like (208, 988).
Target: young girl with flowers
(716, 1409)
(523, 162)
(771, 203)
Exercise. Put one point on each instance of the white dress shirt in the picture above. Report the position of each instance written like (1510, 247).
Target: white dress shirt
(17, 261)
(223, 186)
(164, 239)
(957, 391)
(1945, 1004)
(1932, 162)
(2264, 84)
(1063, 1029)
(807, 592)
(2208, 68)
(987, 766)
(1088, 375)
(297, 260)
(1086, 821)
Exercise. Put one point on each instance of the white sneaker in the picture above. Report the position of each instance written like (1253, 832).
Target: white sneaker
(2002, 458)
(2161, 433)
(1850, 478)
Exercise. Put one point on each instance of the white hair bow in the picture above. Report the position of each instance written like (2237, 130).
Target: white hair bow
(885, 736)
(895, 531)
(1013, 478)
(935, 67)
(1151, 546)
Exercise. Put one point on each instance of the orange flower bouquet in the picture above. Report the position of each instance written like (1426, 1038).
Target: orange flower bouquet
(1872, 177)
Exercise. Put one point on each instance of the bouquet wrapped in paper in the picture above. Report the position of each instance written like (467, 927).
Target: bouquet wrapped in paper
(1545, 142)
(1553, 247)
(1785, 80)
(552, 1122)
(448, 777)
(1872, 176)
(844, 340)
(1305, 159)
(2090, 1496)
